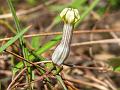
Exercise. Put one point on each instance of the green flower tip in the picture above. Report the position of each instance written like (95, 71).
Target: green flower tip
(70, 15)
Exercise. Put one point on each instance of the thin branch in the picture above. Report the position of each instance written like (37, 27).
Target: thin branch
(111, 85)
(21, 58)
(114, 35)
(36, 80)
(96, 80)
(69, 78)
(93, 68)
(96, 42)
(41, 62)
(14, 80)
(58, 33)
(6, 72)
(25, 12)
(17, 83)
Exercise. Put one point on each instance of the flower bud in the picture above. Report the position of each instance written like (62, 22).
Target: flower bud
(70, 15)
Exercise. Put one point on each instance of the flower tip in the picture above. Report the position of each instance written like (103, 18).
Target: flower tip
(70, 15)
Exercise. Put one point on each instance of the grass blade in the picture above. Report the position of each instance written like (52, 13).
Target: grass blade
(35, 42)
(16, 20)
(21, 39)
(46, 46)
(12, 40)
(61, 81)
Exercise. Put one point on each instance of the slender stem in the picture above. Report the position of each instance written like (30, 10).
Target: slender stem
(14, 80)
(21, 39)
(76, 32)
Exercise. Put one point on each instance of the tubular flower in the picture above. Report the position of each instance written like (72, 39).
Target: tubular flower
(70, 16)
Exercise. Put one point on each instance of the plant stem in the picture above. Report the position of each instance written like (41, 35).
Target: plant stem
(22, 44)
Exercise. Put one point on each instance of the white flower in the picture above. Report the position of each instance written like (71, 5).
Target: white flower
(70, 15)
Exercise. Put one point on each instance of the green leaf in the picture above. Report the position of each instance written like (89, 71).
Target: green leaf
(115, 63)
(117, 69)
(16, 20)
(57, 7)
(48, 45)
(12, 40)
(35, 42)
(86, 12)
(77, 3)
(32, 2)
(56, 20)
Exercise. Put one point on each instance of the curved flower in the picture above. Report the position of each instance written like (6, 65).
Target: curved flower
(70, 17)
(62, 50)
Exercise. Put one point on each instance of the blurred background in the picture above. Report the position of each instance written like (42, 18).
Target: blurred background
(95, 42)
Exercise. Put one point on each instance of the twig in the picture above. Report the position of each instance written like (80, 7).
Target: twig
(45, 87)
(6, 72)
(96, 42)
(14, 80)
(93, 68)
(5, 23)
(25, 12)
(34, 64)
(39, 78)
(86, 43)
(84, 67)
(111, 85)
(58, 33)
(96, 80)
(42, 62)
(21, 58)
(69, 78)
(14, 85)
(115, 37)
(71, 85)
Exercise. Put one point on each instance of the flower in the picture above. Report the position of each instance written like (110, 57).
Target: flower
(70, 15)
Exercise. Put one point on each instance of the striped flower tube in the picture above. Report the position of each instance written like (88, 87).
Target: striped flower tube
(70, 16)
